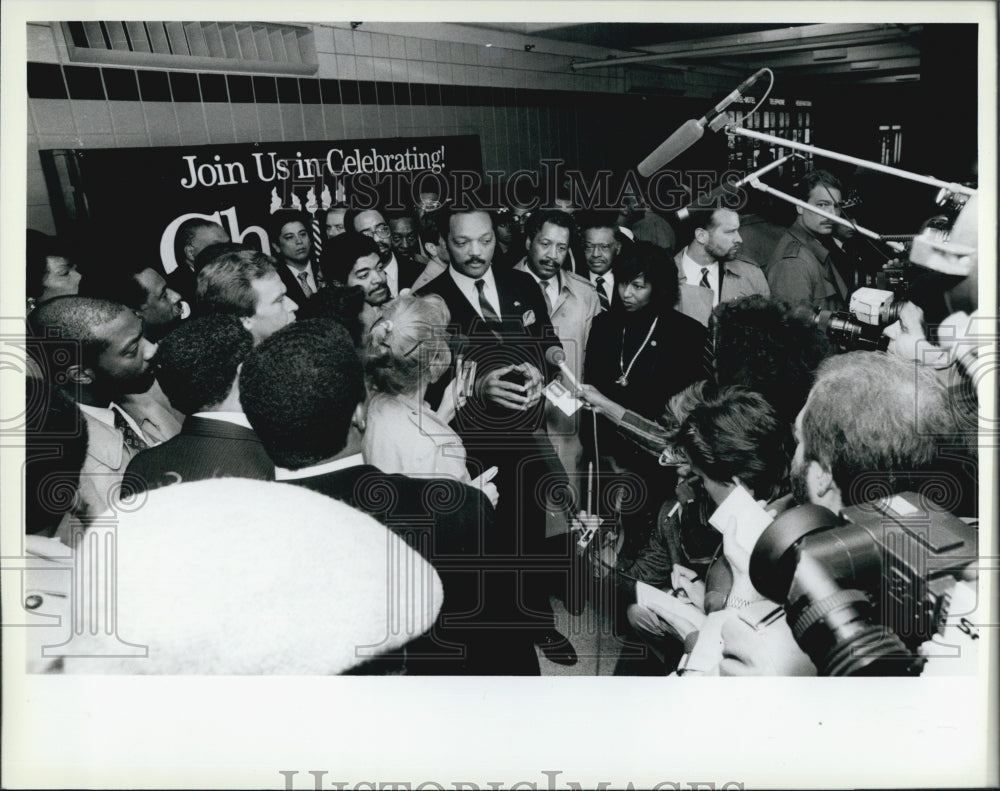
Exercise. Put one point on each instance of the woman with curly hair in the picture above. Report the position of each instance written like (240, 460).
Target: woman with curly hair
(407, 350)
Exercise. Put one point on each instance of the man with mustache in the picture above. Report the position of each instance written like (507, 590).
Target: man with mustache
(572, 304)
(601, 244)
(352, 259)
(371, 223)
(289, 233)
(504, 316)
(709, 271)
(801, 270)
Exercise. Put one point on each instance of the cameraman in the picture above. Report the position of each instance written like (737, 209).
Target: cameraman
(871, 426)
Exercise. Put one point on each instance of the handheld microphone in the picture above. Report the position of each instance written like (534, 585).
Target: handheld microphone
(691, 131)
(556, 356)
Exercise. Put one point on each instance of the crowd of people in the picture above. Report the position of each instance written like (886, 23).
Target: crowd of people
(458, 378)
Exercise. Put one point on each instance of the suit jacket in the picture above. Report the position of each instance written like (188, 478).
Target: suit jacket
(452, 526)
(526, 335)
(738, 279)
(292, 286)
(573, 312)
(802, 271)
(205, 448)
(104, 466)
(157, 419)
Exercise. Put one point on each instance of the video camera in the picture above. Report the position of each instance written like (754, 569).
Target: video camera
(871, 311)
(863, 590)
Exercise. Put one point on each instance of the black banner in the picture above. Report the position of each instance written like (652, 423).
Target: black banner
(137, 197)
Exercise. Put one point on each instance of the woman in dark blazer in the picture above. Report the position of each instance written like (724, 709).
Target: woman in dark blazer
(640, 353)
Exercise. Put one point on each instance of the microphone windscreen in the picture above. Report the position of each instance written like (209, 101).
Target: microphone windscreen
(555, 355)
(680, 141)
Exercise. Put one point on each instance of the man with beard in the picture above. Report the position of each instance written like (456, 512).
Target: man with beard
(353, 259)
(371, 223)
(801, 269)
(708, 269)
(292, 245)
(95, 350)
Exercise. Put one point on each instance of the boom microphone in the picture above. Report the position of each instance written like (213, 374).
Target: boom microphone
(691, 131)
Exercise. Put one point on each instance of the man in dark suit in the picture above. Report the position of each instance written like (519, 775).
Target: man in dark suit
(503, 313)
(198, 371)
(289, 231)
(303, 390)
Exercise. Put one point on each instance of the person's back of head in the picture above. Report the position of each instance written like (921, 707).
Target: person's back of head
(198, 362)
(117, 281)
(225, 285)
(408, 346)
(874, 422)
(277, 579)
(208, 254)
(765, 345)
(300, 390)
(339, 303)
(734, 433)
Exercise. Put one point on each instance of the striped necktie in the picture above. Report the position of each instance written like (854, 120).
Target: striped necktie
(602, 296)
(487, 309)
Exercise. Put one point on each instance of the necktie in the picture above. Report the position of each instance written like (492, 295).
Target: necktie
(132, 440)
(545, 293)
(304, 282)
(487, 309)
(602, 297)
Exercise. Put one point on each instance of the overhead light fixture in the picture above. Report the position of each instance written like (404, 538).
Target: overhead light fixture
(862, 65)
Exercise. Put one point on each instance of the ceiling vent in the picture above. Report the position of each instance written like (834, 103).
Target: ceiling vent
(220, 46)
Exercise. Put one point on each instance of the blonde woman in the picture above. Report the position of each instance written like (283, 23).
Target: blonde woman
(405, 351)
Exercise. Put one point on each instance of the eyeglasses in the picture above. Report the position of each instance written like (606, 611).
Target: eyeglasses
(596, 248)
(379, 230)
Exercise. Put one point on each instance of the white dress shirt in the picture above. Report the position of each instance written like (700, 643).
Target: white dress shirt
(391, 272)
(310, 277)
(283, 474)
(467, 285)
(236, 418)
(107, 416)
(692, 273)
(609, 282)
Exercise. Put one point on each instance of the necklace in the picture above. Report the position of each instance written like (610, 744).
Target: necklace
(623, 379)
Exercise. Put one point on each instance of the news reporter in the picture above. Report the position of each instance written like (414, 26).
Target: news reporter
(405, 352)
